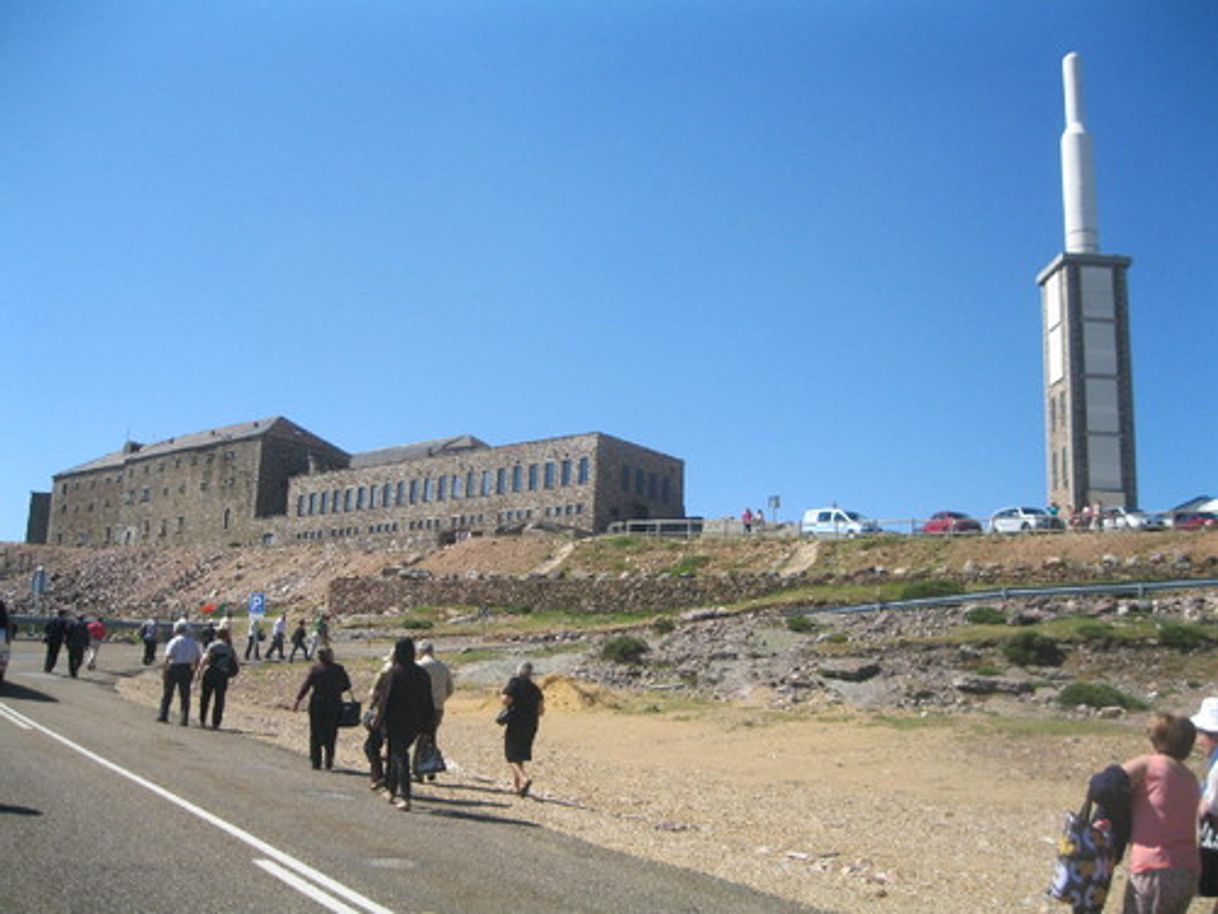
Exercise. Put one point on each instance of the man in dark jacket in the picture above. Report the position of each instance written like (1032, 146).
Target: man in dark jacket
(53, 634)
(77, 639)
(406, 711)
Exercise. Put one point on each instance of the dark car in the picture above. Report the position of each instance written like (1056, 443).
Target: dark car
(1196, 520)
(950, 522)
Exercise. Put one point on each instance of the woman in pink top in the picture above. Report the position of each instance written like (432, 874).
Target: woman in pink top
(1164, 864)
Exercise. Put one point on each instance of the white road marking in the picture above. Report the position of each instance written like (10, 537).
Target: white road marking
(305, 888)
(366, 904)
(13, 718)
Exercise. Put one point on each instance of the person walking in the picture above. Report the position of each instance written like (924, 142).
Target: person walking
(6, 624)
(148, 637)
(182, 655)
(253, 636)
(97, 634)
(374, 743)
(218, 667)
(298, 641)
(327, 681)
(406, 709)
(525, 705)
(278, 632)
(53, 635)
(209, 634)
(321, 633)
(1164, 862)
(77, 640)
(441, 690)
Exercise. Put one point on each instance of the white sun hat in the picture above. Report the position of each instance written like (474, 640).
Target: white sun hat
(1207, 718)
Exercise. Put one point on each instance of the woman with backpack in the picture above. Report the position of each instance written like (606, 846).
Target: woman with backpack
(218, 667)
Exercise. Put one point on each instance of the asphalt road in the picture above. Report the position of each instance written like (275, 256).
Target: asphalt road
(104, 810)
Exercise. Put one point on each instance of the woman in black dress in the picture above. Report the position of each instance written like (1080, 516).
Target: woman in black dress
(328, 680)
(525, 704)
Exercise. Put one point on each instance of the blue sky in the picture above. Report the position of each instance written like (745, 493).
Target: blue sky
(792, 243)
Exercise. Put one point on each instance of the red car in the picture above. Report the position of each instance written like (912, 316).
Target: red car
(950, 522)
(1196, 520)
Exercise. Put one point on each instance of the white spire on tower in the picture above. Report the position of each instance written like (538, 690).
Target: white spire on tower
(1078, 180)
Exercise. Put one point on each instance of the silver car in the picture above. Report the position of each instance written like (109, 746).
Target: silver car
(1131, 519)
(1024, 520)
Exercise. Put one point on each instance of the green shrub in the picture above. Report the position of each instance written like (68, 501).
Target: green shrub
(624, 649)
(1033, 649)
(417, 623)
(663, 625)
(918, 590)
(1096, 631)
(518, 610)
(838, 638)
(1182, 636)
(985, 615)
(689, 564)
(988, 669)
(1098, 695)
(800, 623)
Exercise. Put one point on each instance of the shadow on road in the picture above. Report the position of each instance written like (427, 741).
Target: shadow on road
(5, 808)
(24, 693)
(480, 817)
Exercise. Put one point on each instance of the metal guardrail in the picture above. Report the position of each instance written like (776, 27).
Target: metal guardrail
(1139, 589)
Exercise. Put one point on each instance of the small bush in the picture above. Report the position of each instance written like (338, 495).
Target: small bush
(663, 626)
(837, 638)
(1182, 636)
(689, 564)
(800, 623)
(985, 615)
(918, 590)
(1033, 649)
(988, 669)
(1096, 631)
(417, 623)
(1098, 695)
(624, 649)
(518, 610)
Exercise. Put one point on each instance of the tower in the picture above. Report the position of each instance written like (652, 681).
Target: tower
(1089, 437)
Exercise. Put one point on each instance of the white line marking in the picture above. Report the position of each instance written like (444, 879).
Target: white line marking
(13, 719)
(305, 888)
(239, 833)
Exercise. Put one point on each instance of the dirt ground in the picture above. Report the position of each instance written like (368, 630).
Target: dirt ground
(841, 810)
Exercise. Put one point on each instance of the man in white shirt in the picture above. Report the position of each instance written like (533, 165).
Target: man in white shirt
(441, 689)
(182, 655)
(279, 631)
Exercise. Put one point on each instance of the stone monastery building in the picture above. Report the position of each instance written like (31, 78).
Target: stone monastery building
(270, 481)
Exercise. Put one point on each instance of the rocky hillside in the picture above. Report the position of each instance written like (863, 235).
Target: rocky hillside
(135, 582)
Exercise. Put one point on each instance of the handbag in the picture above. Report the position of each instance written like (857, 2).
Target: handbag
(427, 757)
(349, 713)
(1207, 841)
(1083, 870)
(503, 717)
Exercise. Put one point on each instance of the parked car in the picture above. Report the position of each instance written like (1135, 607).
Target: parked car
(830, 523)
(1024, 520)
(1196, 520)
(1131, 519)
(950, 522)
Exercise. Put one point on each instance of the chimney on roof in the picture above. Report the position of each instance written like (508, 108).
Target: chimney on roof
(130, 447)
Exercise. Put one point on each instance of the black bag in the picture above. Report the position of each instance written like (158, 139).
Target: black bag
(1208, 842)
(427, 757)
(228, 664)
(503, 717)
(349, 713)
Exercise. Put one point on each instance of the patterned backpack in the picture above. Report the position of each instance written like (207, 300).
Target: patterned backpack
(1084, 862)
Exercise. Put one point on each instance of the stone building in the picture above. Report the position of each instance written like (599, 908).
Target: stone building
(271, 481)
(445, 489)
(215, 487)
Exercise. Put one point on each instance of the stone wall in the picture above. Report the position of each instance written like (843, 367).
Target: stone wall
(578, 594)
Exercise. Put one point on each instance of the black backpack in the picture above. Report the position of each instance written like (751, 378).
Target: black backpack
(226, 663)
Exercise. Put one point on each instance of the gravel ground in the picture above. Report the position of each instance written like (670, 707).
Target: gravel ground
(839, 809)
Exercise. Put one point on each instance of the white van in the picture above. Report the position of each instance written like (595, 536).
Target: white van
(830, 523)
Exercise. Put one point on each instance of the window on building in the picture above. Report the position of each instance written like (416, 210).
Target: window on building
(228, 517)
(442, 489)
(348, 499)
(146, 494)
(653, 486)
(500, 481)
(640, 481)
(323, 503)
(625, 478)
(459, 488)
(549, 474)
(399, 494)
(414, 491)
(108, 534)
(164, 527)
(426, 489)
(181, 524)
(533, 477)
(361, 498)
(471, 484)
(565, 478)
(312, 502)
(336, 500)
(372, 493)
(386, 489)
(516, 475)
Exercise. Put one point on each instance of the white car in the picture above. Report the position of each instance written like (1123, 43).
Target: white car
(834, 523)
(1131, 519)
(1024, 520)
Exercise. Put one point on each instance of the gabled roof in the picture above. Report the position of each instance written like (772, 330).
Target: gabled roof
(407, 452)
(242, 431)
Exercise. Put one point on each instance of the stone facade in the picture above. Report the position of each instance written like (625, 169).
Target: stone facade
(212, 488)
(578, 482)
(271, 481)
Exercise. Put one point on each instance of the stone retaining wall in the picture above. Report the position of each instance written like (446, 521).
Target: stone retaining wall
(638, 594)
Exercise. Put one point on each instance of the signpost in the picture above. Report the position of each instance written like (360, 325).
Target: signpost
(38, 586)
(257, 603)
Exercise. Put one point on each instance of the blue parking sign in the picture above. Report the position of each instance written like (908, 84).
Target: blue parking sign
(257, 603)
